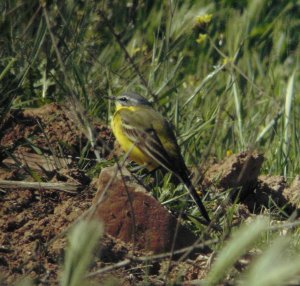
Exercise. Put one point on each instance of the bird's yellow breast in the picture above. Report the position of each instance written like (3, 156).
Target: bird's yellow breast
(127, 145)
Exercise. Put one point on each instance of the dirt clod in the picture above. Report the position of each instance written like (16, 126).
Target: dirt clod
(237, 172)
(132, 215)
(292, 194)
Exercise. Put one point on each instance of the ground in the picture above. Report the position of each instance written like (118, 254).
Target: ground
(43, 145)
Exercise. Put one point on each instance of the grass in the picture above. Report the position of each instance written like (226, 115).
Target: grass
(82, 241)
(227, 84)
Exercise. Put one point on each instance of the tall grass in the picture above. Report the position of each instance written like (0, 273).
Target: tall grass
(256, 40)
(231, 83)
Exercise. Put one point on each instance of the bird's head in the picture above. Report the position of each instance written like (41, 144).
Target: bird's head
(130, 99)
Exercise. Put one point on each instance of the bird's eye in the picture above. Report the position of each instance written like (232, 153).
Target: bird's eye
(124, 99)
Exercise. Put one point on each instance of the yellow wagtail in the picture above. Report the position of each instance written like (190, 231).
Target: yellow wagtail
(149, 138)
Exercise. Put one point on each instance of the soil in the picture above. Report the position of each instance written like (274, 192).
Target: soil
(30, 219)
(43, 145)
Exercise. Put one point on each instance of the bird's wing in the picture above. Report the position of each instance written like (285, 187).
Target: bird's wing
(151, 133)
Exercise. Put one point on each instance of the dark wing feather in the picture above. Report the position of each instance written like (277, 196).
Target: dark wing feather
(144, 128)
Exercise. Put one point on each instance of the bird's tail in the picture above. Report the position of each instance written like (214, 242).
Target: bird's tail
(195, 196)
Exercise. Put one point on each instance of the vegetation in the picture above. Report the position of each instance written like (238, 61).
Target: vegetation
(225, 73)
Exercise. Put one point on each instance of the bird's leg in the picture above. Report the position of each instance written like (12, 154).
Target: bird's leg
(143, 169)
(139, 173)
(136, 168)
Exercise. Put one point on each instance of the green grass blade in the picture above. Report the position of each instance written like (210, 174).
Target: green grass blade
(7, 68)
(241, 241)
(269, 126)
(209, 77)
(274, 267)
(238, 110)
(287, 116)
(82, 240)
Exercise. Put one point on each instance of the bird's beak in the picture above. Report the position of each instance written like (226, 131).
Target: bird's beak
(110, 97)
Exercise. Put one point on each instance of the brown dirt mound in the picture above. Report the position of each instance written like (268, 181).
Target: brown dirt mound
(29, 219)
(50, 130)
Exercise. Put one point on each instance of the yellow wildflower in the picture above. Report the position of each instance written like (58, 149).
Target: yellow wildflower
(227, 60)
(203, 20)
(137, 49)
(201, 38)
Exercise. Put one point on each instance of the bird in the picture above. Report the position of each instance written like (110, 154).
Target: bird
(149, 140)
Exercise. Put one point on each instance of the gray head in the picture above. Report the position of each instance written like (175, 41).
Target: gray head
(131, 99)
